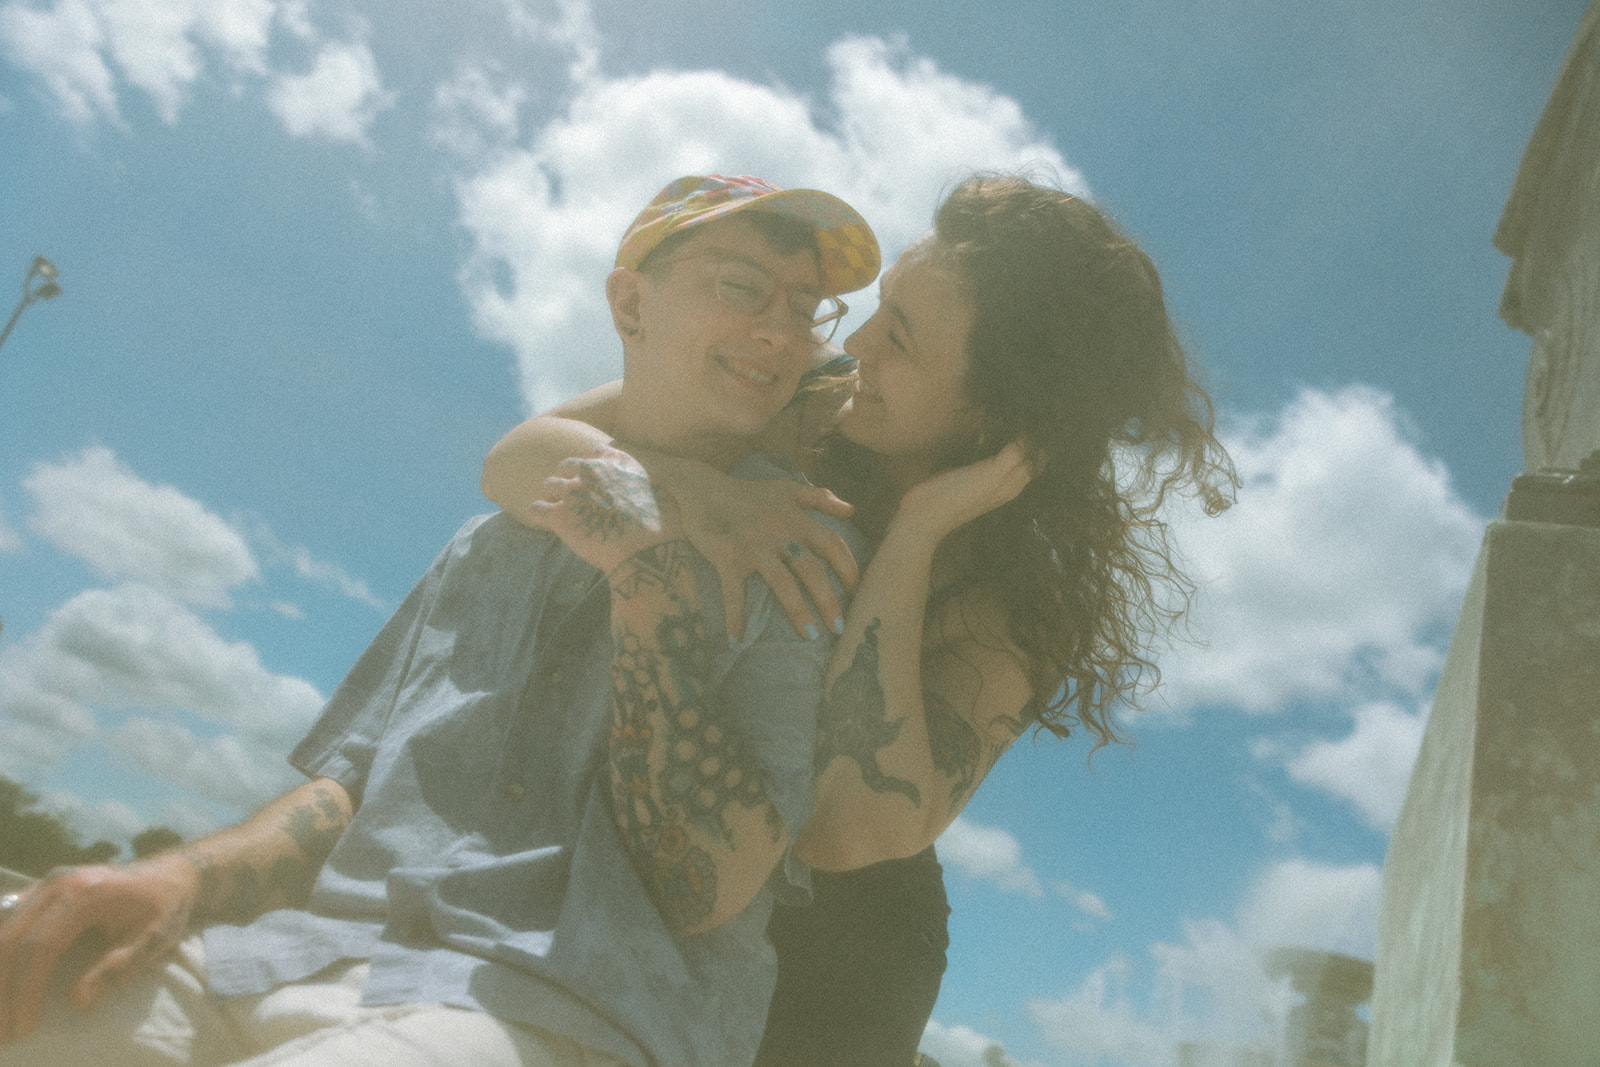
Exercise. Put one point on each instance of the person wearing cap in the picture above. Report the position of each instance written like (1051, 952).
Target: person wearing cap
(551, 805)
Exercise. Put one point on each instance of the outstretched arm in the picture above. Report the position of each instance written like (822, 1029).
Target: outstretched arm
(143, 909)
(914, 715)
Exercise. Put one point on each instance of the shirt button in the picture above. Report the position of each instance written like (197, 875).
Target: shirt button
(516, 791)
(554, 675)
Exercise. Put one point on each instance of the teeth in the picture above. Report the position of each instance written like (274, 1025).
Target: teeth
(750, 374)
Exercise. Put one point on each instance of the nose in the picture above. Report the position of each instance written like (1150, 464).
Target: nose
(774, 327)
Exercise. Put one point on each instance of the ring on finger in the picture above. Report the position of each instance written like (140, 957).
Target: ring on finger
(8, 904)
(793, 549)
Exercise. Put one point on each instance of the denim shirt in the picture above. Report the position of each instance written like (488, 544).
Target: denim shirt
(482, 867)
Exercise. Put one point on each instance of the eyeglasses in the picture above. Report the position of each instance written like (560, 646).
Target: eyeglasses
(745, 286)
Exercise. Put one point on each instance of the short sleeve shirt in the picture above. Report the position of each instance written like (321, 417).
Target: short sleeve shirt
(482, 867)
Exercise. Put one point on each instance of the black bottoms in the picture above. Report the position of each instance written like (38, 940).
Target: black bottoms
(858, 970)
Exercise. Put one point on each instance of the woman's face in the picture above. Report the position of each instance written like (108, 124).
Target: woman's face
(910, 400)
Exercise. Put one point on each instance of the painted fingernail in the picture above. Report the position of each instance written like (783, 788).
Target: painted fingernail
(838, 624)
(811, 631)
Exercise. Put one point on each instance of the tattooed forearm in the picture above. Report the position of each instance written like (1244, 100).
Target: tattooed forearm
(677, 769)
(238, 892)
(613, 500)
(657, 568)
(854, 723)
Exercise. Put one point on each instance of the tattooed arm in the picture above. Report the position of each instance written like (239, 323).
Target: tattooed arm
(687, 787)
(917, 709)
(142, 909)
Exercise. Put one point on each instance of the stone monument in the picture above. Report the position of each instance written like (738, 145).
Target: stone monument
(1489, 936)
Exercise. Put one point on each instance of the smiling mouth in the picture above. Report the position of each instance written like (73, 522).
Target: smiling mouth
(747, 372)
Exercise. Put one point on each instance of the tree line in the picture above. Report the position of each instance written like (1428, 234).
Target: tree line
(33, 840)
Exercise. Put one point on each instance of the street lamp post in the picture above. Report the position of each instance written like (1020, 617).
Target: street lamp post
(40, 284)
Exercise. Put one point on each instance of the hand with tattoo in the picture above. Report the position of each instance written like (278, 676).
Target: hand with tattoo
(140, 912)
(603, 507)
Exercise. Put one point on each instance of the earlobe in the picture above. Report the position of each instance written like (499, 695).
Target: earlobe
(624, 294)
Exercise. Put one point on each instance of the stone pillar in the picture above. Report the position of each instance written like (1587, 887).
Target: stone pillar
(1489, 936)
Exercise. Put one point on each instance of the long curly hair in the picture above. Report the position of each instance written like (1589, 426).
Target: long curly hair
(1073, 352)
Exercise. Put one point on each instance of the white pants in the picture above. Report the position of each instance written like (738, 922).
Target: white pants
(165, 1018)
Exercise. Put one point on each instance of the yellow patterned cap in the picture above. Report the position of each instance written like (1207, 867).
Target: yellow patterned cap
(849, 250)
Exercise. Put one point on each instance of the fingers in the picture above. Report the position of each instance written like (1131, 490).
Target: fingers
(813, 576)
(816, 498)
(33, 940)
(780, 576)
(116, 967)
(832, 550)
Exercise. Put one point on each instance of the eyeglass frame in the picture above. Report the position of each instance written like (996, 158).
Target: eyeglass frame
(813, 326)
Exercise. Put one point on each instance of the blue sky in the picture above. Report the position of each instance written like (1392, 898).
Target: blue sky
(318, 256)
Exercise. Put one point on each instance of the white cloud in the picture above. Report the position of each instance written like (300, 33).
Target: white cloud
(1089, 903)
(321, 572)
(544, 231)
(337, 100)
(228, 769)
(62, 46)
(962, 1046)
(1098, 1021)
(133, 648)
(475, 115)
(1215, 986)
(1344, 561)
(1304, 904)
(110, 820)
(158, 46)
(94, 507)
(989, 854)
(1371, 766)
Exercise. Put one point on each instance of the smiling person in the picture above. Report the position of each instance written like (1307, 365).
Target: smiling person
(551, 806)
(1019, 410)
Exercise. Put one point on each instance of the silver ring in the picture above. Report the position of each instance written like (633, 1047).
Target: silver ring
(8, 903)
(793, 549)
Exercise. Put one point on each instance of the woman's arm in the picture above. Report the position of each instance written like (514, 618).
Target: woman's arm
(913, 719)
(741, 527)
(516, 467)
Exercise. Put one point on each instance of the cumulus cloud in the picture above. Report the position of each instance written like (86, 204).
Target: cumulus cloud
(1089, 903)
(133, 649)
(1098, 1021)
(94, 507)
(319, 571)
(228, 769)
(110, 820)
(989, 854)
(336, 100)
(1369, 767)
(79, 47)
(962, 1046)
(1216, 985)
(1344, 561)
(543, 232)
